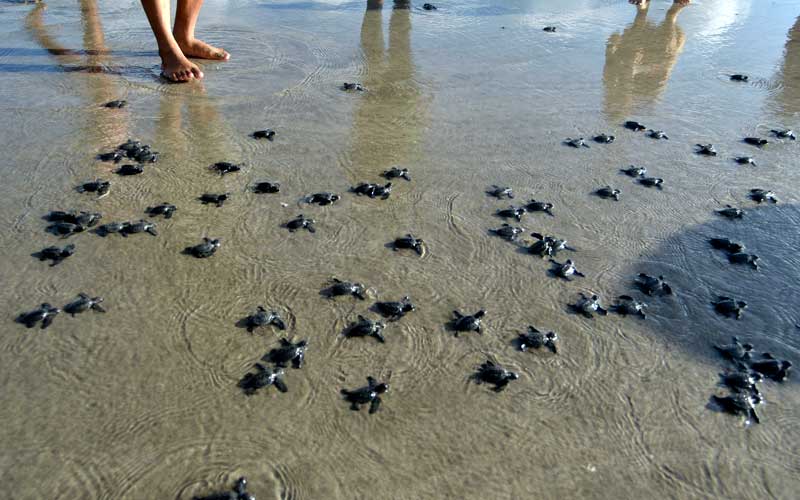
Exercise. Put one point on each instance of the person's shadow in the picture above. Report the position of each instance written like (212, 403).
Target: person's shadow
(787, 97)
(639, 62)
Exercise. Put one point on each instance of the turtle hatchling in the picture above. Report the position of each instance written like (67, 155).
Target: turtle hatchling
(263, 377)
(762, 195)
(205, 249)
(784, 134)
(651, 182)
(604, 139)
(576, 143)
(366, 327)
(735, 351)
(627, 305)
(566, 269)
(410, 242)
(98, 186)
(771, 367)
(741, 380)
(536, 339)
(288, 352)
(266, 187)
(395, 172)
(756, 141)
(500, 192)
(745, 160)
(83, 303)
(301, 222)
(652, 285)
(508, 231)
(587, 306)
(369, 394)
(165, 209)
(142, 226)
(114, 156)
(739, 78)
(65, 229)
(744, 258)
(45, 313)
(268, 134)
(540, 206)
(657, 134)
(374, 190)
(635, 126)
(395, 310)
(726, 244)
(130, 170)
(225, 167)
(512, 212)
(262, 317)
(634, 171)
(731, 212)
(549, 29)
(56, 254)
(468, 323)
(239, 492)
(88, 219)
(706, 149)
(353, 87)
(608, 192)
(116, 104)
(739, 404)
(547, 246)
(728, 306)
(323, 199)
(214, 199)
(493, 373)
(339, 288)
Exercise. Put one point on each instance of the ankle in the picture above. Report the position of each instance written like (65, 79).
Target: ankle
(183, 39)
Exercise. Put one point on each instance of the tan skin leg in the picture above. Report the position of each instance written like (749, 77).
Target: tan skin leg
(174, 65)
(183, 31)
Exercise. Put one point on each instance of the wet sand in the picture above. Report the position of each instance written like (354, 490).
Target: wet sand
(141, 402)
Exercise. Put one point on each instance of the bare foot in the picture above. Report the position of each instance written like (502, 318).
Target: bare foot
(175, 67)
(201, 50)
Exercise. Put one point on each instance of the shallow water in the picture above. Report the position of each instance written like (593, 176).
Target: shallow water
(141, 402)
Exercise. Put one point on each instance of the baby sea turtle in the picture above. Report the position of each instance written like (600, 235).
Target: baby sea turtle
(652, 285)
(339, 288)
(56, 254)
(323, 199)
(706, 149)
(512, 212)
(627, 305)
(508, 231)
(370, 394)
(395, 310)
(762, 195)
(469, 323)
(745, 160)
(262, 317)
(634, 171)
(739, 404)
(741, 380)
(98, 186)
(165, 209)
(114, 156)
(266, 187)
(130, 145)
(731, 212)
(608, 192)
(83, 303)
(739, 78)
(500, 192)
(395, 172)
(547, 246)
(410, 242)
(45, 313)
(130, 170)
(300, 222)
(215, 199)
(493, 373)
(111, 227)
(588, 305)
(142, 226)
(88, 219)
(366, 327)
(635, 126)
(288, 352)
(784, 134)
(65, 229)
(566, 269)
(536, 339)
(576, 143)
(373, 190)
(353, 86)
(239, 492)
(735, 351)
(268, 134)
(744, 258)
(726, 244)
(205, 249)
(549, 29)
(771, 367)
(728, 306)
(604, 139)
(540, 206)
(144, 155)
(756, 141)
(651, 182)
(263, 377)
(657, 134)
(116, 104)
(225, 167)
(429, 6)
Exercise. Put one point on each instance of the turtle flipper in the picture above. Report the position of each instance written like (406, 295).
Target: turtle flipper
(297, 362)
(280, 384)
(374, 405)
(311, 228)
(278, 322)
(47, 321)
(97, 307)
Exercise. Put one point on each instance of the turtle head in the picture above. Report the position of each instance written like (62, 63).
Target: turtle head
(335, 197)
(746, 347)
(241, 486)
(408, 306)
(480, 314)
(302, 343)
(511, 376)
(785, 365)
(381, 388)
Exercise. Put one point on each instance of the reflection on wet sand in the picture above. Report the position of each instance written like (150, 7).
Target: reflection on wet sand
(388, 121)
(99, 86)
(788, 97)
(640, 60)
